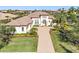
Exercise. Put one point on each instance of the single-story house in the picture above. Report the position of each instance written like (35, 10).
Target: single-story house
(24, 24)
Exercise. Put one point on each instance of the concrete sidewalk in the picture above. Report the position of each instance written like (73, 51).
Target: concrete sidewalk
(44, 41)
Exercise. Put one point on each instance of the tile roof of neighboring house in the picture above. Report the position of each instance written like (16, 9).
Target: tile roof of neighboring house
(27, 19)
(3, 15)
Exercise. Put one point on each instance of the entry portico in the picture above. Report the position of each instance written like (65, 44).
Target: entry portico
(42, 21)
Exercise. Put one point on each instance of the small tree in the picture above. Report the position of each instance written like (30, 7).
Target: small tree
(33, 31)
(6, 33)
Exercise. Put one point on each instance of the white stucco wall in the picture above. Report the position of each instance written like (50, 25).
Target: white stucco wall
(29, 27)
(48, 21)
(26, 29)
(33, 19)
(19, 29)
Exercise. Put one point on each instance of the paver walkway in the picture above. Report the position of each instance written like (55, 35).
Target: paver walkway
(44, 41)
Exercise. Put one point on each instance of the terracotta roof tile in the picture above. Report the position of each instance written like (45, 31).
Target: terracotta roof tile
(27, 19)
(20, 21)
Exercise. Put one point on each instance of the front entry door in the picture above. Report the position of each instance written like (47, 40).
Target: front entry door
(44, 22)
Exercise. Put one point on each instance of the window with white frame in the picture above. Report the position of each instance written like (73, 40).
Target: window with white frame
(36, 22)
(22, 28)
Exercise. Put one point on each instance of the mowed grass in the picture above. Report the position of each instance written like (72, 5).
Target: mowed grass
(21, 44)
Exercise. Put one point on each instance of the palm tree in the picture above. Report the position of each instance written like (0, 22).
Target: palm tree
(72, 9)
(61, 17)
(57, 16)
(77, 10)
(72, 14)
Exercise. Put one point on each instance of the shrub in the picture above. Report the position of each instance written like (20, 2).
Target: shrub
(33, 31)
(69, 36)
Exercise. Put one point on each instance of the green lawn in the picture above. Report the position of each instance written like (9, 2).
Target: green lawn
(21, 44)
(66, 46)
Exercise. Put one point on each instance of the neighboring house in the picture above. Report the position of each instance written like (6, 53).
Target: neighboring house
(24, 24)
(5, 16)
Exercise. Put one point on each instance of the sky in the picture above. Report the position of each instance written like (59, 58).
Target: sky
(34, 7)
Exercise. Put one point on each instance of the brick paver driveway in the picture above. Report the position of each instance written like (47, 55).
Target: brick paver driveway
(44, 41)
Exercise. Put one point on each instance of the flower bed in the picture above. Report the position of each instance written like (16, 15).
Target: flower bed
(23, 35)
